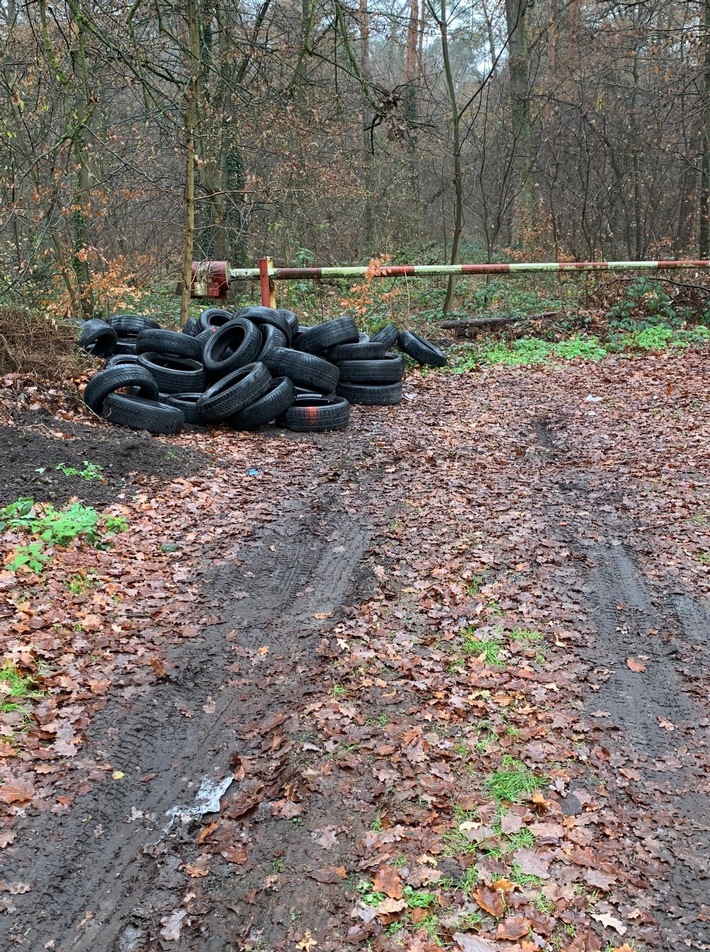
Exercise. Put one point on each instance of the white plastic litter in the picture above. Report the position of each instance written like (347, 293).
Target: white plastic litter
(206, 801)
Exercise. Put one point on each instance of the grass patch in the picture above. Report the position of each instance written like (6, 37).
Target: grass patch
(528, 351)
(513, 782)
(15, 688)
(527, 635)
(488, 649)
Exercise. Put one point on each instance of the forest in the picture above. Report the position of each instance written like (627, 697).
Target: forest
(140, 136)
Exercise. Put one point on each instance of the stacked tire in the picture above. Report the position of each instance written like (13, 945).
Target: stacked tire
(244, 369)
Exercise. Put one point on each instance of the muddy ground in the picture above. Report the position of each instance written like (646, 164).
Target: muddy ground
(285, 614)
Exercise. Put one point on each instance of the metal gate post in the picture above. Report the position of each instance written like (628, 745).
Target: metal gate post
(267, 283)
(264, 282)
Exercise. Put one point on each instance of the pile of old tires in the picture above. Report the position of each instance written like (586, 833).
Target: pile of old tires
(246, 369)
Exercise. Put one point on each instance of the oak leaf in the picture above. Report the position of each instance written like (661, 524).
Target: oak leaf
(610, 922)
(307, 942)
(18, 791)
(172, 925)
(328, 874)
(387, 880)
(472, 943)
(236, 854)
(514, 927)
(598, 879)
(388, 906)
(490, 900)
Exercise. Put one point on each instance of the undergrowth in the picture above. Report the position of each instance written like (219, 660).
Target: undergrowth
(533, 350)
(50, 527)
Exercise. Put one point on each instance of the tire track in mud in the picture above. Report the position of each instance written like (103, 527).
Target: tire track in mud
(94, 888)
(655, 723)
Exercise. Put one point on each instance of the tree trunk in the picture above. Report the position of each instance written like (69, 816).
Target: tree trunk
(191, 119)
(455, 119)
(368, 149)
(519, 69)
(411, 77)
(704, 235)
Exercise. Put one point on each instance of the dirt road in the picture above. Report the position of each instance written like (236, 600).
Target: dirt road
(447, 669)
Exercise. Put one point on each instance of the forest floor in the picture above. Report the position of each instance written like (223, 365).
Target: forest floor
(439, 679)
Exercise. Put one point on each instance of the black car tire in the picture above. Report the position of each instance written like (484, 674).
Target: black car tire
(388, 369)
(187, 402)
(122, 360)
(271, 339)
(310, 414)
(266, 315)
(98, 338)
(139, 413)
(305, 370)
(234, 392)
(387, 335)
(365, 349)
(421, 350)
(130, 325)
(277, 399)
(171, 343)
(117, 378)
(125, 345)
(291, 318)
(231, 346)
(174, 374)
(319, 339)
(214, 317)
(191, 327)
(371, 395)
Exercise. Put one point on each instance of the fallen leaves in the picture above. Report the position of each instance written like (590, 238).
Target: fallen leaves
(328, 874)
(17, 792)
(387, 880)
(665, 723)
(611, 922)
(487, 547)
(172, 925)
(472, 943)
(512, 928)
(491, 900)
(307, 942)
